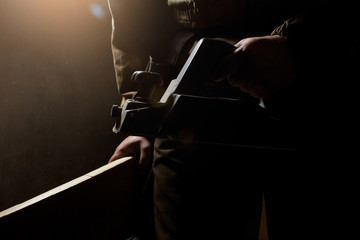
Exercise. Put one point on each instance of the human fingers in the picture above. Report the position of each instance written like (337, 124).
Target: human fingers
(118, 153)
(229, 65)
(146, 156)
(129, 146)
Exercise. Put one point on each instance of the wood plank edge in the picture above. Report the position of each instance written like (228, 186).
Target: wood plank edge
(63, 187)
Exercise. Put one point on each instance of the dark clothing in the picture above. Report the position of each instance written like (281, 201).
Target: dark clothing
(207, 191)
(204, 191)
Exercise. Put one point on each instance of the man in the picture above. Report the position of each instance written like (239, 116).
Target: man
(204, 190)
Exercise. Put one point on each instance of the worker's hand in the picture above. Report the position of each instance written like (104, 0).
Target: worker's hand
(135, 146)
(260, 66)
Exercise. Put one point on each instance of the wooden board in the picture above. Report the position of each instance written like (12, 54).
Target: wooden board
(98, 205)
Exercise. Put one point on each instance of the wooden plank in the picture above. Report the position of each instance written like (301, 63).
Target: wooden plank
(99, 204)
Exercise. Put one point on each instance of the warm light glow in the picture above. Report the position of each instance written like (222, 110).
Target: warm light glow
(55, 27)
(56, 86)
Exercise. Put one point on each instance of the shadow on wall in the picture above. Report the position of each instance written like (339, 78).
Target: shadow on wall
(57, 88)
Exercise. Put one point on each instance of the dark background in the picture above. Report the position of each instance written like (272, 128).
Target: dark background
(57, 85)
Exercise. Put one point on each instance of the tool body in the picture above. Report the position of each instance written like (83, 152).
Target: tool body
(195, 108)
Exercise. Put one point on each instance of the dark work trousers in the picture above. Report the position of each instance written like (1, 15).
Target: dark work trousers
(210, 191)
